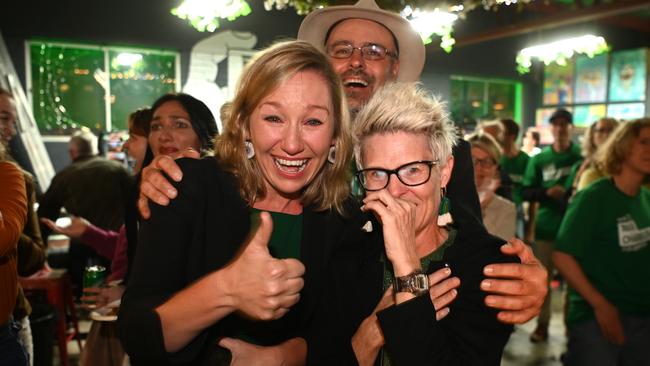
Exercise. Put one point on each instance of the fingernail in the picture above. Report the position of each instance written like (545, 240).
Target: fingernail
(488, 270)
(171, 192)
(490, 301)
(486, 284)
(454, 292)
(447, 271)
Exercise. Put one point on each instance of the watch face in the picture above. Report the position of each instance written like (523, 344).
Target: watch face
(415, 283)
(420, 282)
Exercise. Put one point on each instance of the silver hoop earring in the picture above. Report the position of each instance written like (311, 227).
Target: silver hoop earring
(250, 151)
(331, 156)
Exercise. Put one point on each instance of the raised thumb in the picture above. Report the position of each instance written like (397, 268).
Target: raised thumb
(262, 228)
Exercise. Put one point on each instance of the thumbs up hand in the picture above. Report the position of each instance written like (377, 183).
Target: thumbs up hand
(259, 285)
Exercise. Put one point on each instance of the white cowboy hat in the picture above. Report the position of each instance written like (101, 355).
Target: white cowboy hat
(316, 25)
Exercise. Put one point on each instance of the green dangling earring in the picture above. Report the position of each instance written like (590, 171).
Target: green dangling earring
(444, 208)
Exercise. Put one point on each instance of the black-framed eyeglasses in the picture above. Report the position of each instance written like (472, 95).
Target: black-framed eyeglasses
(372, 52)
(410, 174)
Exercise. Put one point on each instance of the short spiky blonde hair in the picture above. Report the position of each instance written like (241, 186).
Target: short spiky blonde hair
(406, 107)
(612, 154)
(265, 72)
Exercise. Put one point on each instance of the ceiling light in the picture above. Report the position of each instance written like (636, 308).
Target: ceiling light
(560, 51)
(128, 59)
(204, 15)
(428, 23)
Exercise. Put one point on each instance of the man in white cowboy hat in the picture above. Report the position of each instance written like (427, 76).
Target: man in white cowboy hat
(391, 50)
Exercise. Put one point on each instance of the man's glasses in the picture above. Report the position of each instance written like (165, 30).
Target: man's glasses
(372, 52)
(410, 174)
(484, 163)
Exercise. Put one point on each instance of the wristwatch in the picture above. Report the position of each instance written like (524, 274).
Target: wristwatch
(416, 282)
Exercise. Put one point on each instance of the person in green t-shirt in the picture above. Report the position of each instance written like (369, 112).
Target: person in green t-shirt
(514, 162)
(603, 251)
(546, 182)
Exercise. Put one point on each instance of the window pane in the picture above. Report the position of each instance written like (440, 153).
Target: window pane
(66, 88)
(501, 98)
(137, 80)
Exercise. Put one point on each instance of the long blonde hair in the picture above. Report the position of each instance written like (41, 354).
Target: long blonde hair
(612, 154)
(263, 74)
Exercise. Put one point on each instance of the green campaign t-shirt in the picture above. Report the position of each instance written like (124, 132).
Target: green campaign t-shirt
(545, 170)
(608, 233)
(286, 236)
(515, 167)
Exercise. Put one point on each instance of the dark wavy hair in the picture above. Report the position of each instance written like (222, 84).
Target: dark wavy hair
(203, 122)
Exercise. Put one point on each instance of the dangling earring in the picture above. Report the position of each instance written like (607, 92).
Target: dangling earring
(331, 156)
(250, 151)
(444, 214)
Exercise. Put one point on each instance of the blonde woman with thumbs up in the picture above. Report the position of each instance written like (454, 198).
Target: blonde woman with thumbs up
(277, 184)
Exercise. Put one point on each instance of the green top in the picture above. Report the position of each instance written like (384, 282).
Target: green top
(286, 236)
(515, 167)
(608, 233)
(545, 170)
(425, 261)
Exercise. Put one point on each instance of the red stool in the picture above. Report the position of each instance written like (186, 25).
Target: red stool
(59, 294)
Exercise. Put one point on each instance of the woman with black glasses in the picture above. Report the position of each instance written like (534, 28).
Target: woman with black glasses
(403, 144)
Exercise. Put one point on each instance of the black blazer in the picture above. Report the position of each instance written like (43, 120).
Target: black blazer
(200, 232)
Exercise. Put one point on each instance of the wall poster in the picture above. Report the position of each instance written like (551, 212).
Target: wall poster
(585, 115)
(558, 84)
(628, 76)
(626, 111)
(591, 79)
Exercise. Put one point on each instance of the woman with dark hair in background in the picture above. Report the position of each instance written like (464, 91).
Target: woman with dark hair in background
(166, 128)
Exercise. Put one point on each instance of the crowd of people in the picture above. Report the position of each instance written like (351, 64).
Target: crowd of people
(285, 239)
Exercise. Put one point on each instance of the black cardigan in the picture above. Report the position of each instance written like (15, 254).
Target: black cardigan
(469, 335)
(199, 232)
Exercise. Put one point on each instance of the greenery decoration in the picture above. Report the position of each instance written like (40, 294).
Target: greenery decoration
(561, 51)
(428, 17)
(204, 15)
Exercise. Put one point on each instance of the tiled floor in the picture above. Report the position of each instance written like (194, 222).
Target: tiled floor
(519, 350)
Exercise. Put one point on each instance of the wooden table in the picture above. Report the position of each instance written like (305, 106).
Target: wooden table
(57, 285)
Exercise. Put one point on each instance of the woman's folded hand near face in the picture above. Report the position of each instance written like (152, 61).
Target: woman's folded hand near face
(397, 217)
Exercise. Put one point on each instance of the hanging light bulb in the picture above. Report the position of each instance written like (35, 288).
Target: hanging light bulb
(428, 23)
(204, 15)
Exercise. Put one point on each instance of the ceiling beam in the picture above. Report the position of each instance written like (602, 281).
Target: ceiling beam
(582, 15)
(638, 24)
